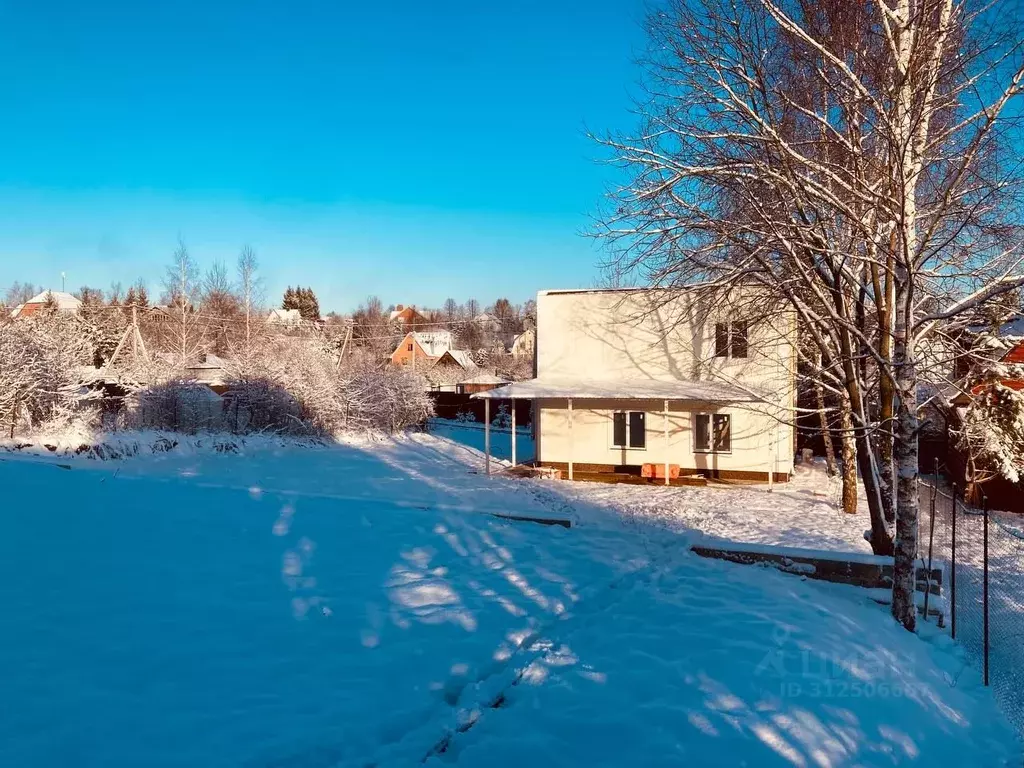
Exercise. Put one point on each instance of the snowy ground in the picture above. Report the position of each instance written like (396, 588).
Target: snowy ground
(361, 605)
(472, 434)
(800, 513)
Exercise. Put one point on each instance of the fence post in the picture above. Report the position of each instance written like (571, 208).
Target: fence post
(931, 539)
(984, 597)
(952, 572)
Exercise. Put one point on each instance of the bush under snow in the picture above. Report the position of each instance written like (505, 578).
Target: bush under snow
(40, 363)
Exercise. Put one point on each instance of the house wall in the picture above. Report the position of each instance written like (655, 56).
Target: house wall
(524, 345)
(591, 437)
(650, 334)
(27, 310)
(1015, 355)
(402, 355)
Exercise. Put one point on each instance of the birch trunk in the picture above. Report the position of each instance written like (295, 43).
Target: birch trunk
(849, 447)
(907, 511)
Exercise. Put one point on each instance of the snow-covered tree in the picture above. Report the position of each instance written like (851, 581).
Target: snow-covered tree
(990, 432)
(41, 361)
(182, 328)
(221, 309)
(845, 158)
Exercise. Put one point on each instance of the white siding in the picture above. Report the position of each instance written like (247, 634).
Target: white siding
(752, 433)
(618, 336)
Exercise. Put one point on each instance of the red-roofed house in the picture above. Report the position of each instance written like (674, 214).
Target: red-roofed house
(408, 317)
(422, 347)
(64, 302)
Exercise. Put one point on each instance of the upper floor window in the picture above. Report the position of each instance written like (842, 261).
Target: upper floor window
(731, 339)
(410, 347)
(629, 429)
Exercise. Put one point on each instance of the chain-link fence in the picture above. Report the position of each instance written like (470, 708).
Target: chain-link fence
(982, 556)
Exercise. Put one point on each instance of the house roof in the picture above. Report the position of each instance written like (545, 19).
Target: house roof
(405, 313)
(461, 357)
(211, 362)
(433, 343)
(210, 371)
(623, 389)
(486, 378)
(65, 301)
(1014, 327)
(627, 289)
(284, 316)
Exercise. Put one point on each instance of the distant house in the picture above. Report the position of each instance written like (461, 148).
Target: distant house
(288, 317)
(457, 358)
(480, 383)
(212, 372)
(1003, 350)
(453, 366)
(408, 317)
(525, 343)
(422, 348)
(65, 302)
(487, 323)
(641, 383)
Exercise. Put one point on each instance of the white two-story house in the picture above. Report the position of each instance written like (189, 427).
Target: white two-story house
(663, 384)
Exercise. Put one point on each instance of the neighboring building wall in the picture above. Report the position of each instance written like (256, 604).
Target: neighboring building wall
(1015, 355)
(408, 317)
(624, 335)
(525, 344)
(403, 355)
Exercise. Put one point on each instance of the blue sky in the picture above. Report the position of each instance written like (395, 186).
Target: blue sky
(410, 149)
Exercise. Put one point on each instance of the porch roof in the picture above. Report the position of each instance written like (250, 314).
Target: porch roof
(623, 389)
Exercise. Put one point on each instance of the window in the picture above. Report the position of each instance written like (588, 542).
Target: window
(712, 432)
(629, 429)
(409, 347)
(738, 338)
(731, 339)
(721, 339)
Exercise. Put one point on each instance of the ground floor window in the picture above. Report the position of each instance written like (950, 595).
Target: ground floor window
(629, 429)
(712, 432)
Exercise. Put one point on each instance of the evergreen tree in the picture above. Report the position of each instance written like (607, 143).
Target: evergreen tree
(309, 306)
(141, 295)
(302, 299)
(290, 299)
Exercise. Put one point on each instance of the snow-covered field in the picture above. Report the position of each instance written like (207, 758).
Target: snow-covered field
(800, 513)
(364, 604)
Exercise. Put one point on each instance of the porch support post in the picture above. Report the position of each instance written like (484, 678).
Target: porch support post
(487, 435)
(774, 435)
(666, 444)
(570, 438)
(513, 402)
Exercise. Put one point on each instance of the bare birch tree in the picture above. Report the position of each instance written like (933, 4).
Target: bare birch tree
(185, 332)
(851, 159)
(250, 297)
(220, 307)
